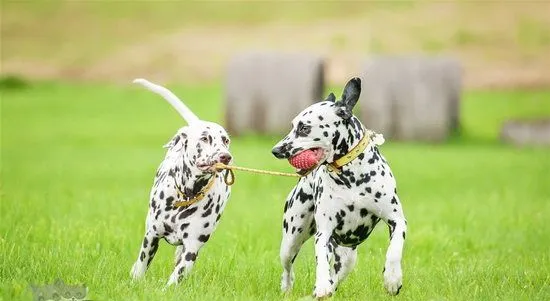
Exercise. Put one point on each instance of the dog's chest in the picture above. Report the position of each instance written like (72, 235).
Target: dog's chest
(196, 221)
(354, 223)
(352, 199)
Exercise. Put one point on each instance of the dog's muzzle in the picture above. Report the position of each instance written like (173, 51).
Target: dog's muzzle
(225, 158)
(281, 152)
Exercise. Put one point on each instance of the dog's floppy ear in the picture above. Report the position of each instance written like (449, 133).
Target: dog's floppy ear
(351, 93)
(331, 98)
(180, 135)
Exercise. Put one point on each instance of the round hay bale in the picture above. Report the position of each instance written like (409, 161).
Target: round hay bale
(412, 98)
(264, 91)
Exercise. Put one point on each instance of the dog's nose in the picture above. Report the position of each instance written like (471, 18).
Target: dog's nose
(225, 158)
(278, 152)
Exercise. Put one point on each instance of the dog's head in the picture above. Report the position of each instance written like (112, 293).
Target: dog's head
(324, 129)
(199, 146)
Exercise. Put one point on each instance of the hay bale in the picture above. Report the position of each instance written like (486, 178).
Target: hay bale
(412, 98)
(264, 91)
(522, 133)
(377, 93)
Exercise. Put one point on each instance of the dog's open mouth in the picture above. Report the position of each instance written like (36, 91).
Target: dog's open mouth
(307, 160)
(207, 166)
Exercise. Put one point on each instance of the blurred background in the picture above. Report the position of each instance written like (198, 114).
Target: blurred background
(461, 89)
(499, 43)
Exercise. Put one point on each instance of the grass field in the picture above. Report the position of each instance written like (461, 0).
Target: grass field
(78, 161)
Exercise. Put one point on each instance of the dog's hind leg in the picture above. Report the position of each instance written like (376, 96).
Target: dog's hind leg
(298, 226)
(179, 251)
(344, 262)
(146, 254)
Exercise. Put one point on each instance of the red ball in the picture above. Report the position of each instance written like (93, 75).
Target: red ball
(304, 160)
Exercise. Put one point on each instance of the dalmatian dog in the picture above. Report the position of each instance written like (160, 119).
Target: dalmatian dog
(339, 206)
(185, 174)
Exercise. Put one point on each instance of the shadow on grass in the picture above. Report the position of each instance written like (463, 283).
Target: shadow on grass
(13, 82)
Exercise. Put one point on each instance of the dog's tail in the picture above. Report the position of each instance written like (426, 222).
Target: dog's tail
(182, 109)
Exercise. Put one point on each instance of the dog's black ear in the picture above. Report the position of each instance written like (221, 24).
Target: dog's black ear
(343, 112)
(350, 96)
(351, 93)
(331, 97)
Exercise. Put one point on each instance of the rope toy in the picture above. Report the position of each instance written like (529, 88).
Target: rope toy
(305, 161)
(229, 177)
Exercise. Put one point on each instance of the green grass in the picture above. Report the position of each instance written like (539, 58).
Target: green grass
(483, 113)
(78, 161)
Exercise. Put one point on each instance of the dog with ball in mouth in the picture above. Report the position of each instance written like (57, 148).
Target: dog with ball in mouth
(346, 189)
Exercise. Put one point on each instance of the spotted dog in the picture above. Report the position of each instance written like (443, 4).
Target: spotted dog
(185, 174)
(339, 203)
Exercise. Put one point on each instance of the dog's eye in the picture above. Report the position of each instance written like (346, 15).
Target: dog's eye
(304, 129)
(299, 127)
(225, 140)
(204, 139)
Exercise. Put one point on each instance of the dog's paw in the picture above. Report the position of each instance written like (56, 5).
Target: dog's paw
(287, 281)
(167, 287)
(323, 291)
(393, 278)
(137, 271)
(173, 280)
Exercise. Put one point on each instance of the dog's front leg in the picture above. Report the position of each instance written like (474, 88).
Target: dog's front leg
(148, 250)
(324, 284)
(298, 226)
(344, 262)
(397, 225)
(186, 256)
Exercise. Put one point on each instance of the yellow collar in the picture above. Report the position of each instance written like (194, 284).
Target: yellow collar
(352, 154)
(199, 196)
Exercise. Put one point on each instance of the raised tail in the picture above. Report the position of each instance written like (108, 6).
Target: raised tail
(182, 109)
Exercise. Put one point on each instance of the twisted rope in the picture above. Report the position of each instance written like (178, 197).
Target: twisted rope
(230, 176)
(378, 139)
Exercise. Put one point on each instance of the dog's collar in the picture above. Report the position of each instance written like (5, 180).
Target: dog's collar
(355, 151)
(188, 201)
